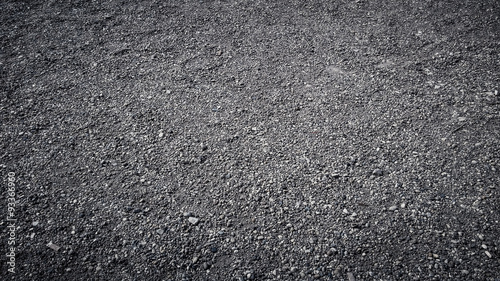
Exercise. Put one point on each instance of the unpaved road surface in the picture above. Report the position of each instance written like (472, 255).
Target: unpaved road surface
(250, 140)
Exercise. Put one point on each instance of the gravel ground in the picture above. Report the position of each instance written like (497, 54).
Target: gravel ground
(250, 140)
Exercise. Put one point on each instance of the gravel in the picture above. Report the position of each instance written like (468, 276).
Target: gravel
(251, 140)
(53, 246)
(193, 220)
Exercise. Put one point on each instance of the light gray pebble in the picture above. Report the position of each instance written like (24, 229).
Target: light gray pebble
(193, 220)
(53, 246)
(377, 172)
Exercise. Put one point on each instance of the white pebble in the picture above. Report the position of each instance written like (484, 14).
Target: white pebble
(193, 220)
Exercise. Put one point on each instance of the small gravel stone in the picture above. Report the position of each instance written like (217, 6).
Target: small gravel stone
(350, 276)
(377, 172)
(205, 266)
(193, 220)
(393, 208)
(488, 254)
(53, 246)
